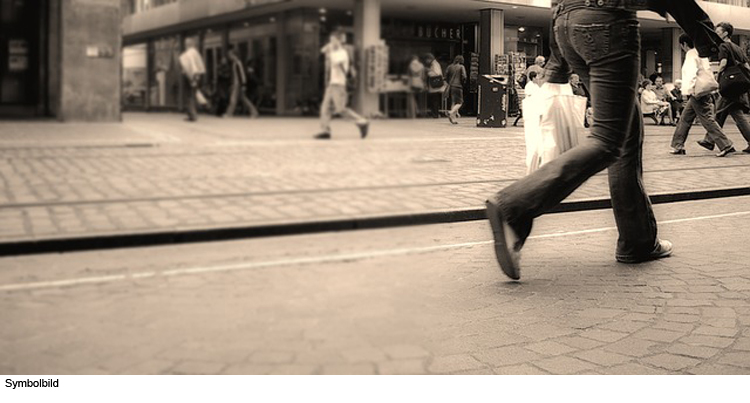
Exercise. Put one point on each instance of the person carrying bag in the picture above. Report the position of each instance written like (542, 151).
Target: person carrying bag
(553, 123)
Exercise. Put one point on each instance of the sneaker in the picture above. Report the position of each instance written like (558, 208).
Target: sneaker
(363, 129)
(747, 150)
(323, 136)
(453, 121)
(507, 244)
(663, 249)
(705, 144)
(726, 152)
(677, 151)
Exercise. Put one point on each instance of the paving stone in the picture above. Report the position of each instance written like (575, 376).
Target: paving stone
(633, 369)
(366, 354)
(294, 369)
(632, 346)
(737, 358)
(564, 365)
(692, 351)
(402, 367)
(603, 358)
(349, 369)
(550, 348)
(399, 352)
(198, 368)
(505, 356)
(716, 331)
(708, 341)
(716, 369)
(454, 363)
(671, 362)
(272, 357)
(665, 336)
(523, 369)
(603, 335)
(580, 342)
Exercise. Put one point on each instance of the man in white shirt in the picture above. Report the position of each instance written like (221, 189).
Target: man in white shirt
(336, 98)
(193, 69)
(700, 107)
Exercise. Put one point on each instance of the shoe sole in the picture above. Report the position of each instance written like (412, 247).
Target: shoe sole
(646, 259)
(502, 252)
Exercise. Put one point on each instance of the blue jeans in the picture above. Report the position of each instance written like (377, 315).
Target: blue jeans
(603, 47)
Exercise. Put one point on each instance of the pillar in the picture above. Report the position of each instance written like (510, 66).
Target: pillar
(676, 54)
(281, 63)
(491, 38)
(670, 54)
(90, 60)
(366, 33)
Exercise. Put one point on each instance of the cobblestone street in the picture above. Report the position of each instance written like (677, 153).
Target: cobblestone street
(155, 172)
(413, 300)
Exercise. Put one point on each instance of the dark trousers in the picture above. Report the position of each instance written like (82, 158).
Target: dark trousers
(603, 47)
(192, 102)
(701, 108)
(725, 108)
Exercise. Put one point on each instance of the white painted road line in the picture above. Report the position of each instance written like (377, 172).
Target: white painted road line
(314, 260)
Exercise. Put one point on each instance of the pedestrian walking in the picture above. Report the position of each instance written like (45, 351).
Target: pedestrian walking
(253, 82)
(580, 90)
(239, 87)
(697, 105)
(336, 98)
(223, 88)
(435, 83)
(533, 86)
(416, 86)
(193, 69)
(600, 41)
(456, 76)
(730, 55)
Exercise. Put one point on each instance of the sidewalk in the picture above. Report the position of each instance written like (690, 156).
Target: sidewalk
(155, 174)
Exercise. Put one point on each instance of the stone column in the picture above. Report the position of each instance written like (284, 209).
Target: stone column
(90, 61)
(366, 33)
(671, 55)
(491, 38)
(281, 64)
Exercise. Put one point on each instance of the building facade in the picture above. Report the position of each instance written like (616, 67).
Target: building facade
(60, 59)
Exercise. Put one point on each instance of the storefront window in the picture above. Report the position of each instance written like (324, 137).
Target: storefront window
(255, 42)
(134, 75)
(164, 74)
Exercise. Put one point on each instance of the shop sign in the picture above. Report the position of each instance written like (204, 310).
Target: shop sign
(18, 47)
(426, 31)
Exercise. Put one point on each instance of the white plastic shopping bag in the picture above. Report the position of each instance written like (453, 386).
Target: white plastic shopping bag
(553, 122)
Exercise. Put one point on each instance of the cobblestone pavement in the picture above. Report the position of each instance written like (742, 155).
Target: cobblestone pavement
(415, 300)
(155, 172)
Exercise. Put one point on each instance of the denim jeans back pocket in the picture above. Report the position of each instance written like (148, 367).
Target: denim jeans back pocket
(594, 42)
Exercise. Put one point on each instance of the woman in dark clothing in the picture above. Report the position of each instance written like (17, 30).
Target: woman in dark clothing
(223, 84)
(455, 75)
(730, 55)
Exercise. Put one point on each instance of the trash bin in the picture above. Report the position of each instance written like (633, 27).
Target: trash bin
(493, 101)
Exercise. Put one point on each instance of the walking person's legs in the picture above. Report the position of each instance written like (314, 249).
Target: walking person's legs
(743, 124)
(325, 115)
(608, 66)
(683, 127)
(249, 105)
(192, 107)
(704, 112)
(233, 95)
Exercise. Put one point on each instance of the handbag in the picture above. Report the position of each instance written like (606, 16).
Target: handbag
(200, 98)
(705, 83)
(734, 80)
(553, 123)
(436, 82)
